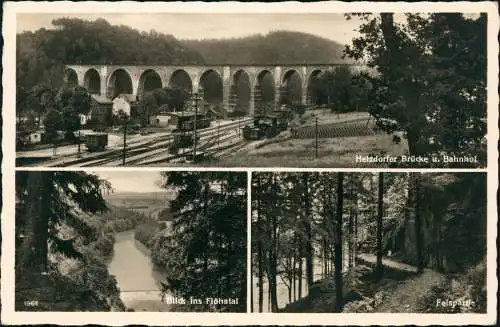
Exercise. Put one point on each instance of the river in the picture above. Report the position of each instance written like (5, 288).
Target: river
(137, 280)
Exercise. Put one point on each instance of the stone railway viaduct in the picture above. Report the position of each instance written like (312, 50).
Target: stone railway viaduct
(111, 80)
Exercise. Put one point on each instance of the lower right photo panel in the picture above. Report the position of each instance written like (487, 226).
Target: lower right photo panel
(393, 242)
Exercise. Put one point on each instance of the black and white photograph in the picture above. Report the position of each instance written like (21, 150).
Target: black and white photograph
(368, 242)
(131, 241)
(320, 90)
(249, 163)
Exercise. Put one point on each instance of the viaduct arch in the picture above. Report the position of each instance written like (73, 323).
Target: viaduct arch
(232, 87)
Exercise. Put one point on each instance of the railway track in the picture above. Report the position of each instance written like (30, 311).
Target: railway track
(210, 147)
(136, 153)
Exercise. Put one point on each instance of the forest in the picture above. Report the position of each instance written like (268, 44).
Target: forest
(203, 249)
(41, 55)
(276, 47)
(64, 238)
(368, 242)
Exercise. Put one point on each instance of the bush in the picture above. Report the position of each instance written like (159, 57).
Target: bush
(144, 233)
(475, 280)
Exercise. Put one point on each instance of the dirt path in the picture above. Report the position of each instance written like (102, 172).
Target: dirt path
(405, 297)
(387, 262)
(405, 294)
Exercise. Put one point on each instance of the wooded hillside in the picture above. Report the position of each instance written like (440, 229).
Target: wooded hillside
(281, 47)
(42, 54)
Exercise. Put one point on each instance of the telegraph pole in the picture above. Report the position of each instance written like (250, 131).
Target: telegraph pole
(195, 103)
(316, 137)
(79, 141)
(124, 142)
(194, 127)
(218, 126)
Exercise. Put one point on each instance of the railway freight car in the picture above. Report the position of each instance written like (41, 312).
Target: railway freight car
(185, 120)
(263, 126)
(181, 139)
(96, 141)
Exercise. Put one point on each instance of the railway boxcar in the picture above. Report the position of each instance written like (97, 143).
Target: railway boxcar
(263, 126)
(96, 141)
(185, 120)
(181, 139)
(188, 125)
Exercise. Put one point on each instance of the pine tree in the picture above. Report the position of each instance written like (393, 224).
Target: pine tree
(205, 254)
(339, 301)
(43, 201)
(380, 208)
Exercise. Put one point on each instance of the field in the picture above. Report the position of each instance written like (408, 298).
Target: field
(332, 152)
(147, 203)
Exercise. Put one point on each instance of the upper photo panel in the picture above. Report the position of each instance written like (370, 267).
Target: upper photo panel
(299, 90)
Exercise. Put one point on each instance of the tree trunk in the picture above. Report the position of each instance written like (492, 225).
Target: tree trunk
(410, 94)
(338, 244)
(355, 241)
(34, 253)
(380, 267)
(350, 227)
(325, 258)
(300, 278)
(273, 267)
(350, 257)
(308, 230)
(418, 224)
(290, 279)
(251, 285)
(259, 251)
(294, 277)
(42, 231)
(389, 32)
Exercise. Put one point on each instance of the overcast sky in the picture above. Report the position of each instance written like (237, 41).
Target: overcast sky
(132, 181)
(198, 26)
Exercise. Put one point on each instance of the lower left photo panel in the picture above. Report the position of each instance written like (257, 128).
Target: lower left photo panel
(131, 241)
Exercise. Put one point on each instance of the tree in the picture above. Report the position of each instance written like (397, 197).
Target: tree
(380, 210)
(45, 199)
(339, 301)
(205, 254)
(54, 122)
(431, 79)
(259, 245)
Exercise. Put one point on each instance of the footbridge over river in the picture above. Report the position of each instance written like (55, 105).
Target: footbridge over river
(234, 87)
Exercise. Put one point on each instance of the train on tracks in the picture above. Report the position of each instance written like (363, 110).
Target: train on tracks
(267, 126)
(96, 141)
(185, 121)
(183, 134)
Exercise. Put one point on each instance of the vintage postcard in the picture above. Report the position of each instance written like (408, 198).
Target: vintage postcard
(245, 163)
